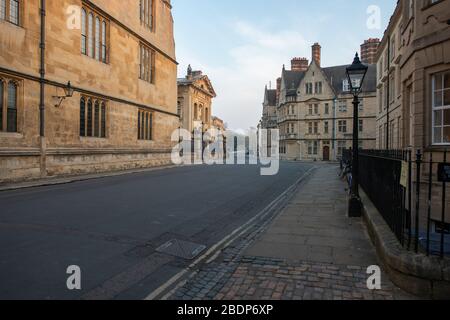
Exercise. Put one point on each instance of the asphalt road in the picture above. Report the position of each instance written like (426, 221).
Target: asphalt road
(110, 227)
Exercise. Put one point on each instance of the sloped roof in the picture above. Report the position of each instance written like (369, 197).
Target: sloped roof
(271, 95)
(292, 80)
(336, 75)
(197, 76)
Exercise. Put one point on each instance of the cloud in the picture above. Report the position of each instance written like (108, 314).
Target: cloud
(252, 64)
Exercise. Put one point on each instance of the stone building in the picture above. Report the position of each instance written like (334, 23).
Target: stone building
(120, 110)
(413, 84)
(195, 96)
(315, 111)
(369, 50)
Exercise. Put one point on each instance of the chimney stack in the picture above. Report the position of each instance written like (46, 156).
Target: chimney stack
(369, 50)
(278, 89)
(316, 53)
(299, 64)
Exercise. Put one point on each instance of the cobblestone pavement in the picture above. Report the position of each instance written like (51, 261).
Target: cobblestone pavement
(310, 251)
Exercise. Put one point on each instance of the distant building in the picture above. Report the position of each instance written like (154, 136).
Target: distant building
(195, 95)
(369, 51)
(314, 110)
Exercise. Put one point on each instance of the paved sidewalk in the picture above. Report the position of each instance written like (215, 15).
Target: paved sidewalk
(312, 250)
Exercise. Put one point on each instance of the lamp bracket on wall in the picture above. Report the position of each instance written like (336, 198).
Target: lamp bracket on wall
(68, 93)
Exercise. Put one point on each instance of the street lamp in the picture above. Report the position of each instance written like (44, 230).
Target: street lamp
(356, 74)
(68, 93)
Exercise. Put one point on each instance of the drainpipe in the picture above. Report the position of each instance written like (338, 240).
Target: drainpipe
(334, 142)
(388, 92)
(42, 91)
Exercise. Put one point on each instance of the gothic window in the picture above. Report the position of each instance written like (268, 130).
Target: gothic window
(89, 118)
(96, 119)
(82, 117)
(14, 10)
(11, 115)
(145, 125)
(92, 118)
(94, 35)
(147, 13)
(97, 38)
(103, 121)
(83, 31)
(90, 36)
(147, 64)
(10, 11)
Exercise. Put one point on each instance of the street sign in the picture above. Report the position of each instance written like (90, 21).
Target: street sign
(444, 172)
(404, 174)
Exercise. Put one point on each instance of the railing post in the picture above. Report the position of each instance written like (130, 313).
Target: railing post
(430, 178)
(409, 197)
(418, 182)
(443, 210)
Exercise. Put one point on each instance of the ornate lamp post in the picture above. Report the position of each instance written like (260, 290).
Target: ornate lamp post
(356, 74)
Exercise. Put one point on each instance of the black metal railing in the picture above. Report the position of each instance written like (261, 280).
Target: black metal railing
(410, 192)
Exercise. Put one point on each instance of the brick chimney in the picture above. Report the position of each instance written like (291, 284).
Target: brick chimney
(369, 50)
(299, 64)
(316, 53)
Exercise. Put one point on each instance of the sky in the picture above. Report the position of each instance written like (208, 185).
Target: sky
(242, 44)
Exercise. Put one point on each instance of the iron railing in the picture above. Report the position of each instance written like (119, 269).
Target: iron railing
(410, 192)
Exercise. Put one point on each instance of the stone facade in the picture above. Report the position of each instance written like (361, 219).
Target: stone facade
(56, 144)
(315, 111)
(195, 95)
(413, 90)
(414, 58)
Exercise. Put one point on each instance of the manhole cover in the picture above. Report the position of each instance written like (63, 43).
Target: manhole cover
(181, 249)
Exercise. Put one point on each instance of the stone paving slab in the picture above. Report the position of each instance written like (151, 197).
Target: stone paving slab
(311, 251)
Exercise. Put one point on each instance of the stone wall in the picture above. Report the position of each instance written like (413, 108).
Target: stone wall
(26, 155)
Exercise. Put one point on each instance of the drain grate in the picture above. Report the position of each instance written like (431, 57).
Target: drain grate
(181, 249)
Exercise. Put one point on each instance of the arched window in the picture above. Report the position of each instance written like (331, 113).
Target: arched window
(1, 104)
(151, 127)
(195, 112)
(2, 9)
(97, 119)
(103, 121)
(14, 11)
(97, 38)
(139, 125)
(104, 41)
(83, 31)
(143, 126)
(147, 136)
(90, 36)
(11, 125)
(89, 119)
(82, 117)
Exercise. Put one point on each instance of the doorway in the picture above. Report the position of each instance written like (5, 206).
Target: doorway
(326, 153)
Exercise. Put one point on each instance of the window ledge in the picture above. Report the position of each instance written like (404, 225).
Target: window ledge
(13, 135)
(93, 139)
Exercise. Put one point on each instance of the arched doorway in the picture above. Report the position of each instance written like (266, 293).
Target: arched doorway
(326, 153)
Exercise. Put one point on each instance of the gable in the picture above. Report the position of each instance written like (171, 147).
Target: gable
(205, 84)
(314, 75)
